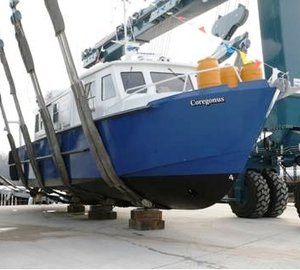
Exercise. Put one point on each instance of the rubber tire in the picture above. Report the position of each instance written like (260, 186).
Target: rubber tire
(297, 198)
(279, 194)
(256, 205)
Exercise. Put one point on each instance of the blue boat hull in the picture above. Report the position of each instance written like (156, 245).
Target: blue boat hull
(179, 152)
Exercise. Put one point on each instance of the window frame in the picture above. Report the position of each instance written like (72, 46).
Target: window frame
(103, 88)
(90, 94)
(137, 90)
(186, 82)
(37, 123)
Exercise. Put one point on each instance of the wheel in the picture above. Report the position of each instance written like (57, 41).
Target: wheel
(256, 199)
(279, 194)
(297, 198)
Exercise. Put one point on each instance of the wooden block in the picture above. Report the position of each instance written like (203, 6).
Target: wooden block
(146, 214)
(76, 209)
(143, 225)
(101, 208)
(102, 215)
(146, 219)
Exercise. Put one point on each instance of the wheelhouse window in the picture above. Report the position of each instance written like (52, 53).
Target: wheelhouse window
(55, 113)
(133, 82)
(37, 123)
(108, 88)
(174, 83)
(90, 92)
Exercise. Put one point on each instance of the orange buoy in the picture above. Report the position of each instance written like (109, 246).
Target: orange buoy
(208, 73)
(251, 72)
(229, 76)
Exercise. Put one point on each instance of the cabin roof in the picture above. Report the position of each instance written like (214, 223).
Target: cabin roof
(102, 66)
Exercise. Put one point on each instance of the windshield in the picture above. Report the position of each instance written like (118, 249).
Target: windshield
(177, 84)
(133, 82)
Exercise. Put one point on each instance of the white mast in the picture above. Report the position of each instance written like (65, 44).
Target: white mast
(125, 28)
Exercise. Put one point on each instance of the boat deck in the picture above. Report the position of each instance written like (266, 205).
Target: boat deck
(47, 237)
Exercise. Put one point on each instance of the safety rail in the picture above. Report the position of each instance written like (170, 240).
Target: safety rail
(8, 198)
(282, 151)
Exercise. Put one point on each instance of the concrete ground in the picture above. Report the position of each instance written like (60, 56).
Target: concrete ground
(48, 237)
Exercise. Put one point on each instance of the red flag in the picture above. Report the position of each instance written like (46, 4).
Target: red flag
(257, 63)
(202, 29)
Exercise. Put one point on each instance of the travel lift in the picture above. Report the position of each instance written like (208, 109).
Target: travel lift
(235, 19)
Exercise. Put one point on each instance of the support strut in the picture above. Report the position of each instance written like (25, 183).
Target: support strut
(23, 126)
(92, 135)
(29, 65)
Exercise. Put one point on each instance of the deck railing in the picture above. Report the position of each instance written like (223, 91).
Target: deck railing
(8, 198)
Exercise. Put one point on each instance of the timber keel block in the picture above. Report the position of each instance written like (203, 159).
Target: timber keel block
(76, 209)
(101, 212)
(146, 219)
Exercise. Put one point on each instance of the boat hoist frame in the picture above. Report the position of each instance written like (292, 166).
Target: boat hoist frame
(225, 27)
(92, 135)
(22, 125)
(160, 17)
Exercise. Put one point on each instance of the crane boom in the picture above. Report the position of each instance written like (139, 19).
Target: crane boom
(160, 17)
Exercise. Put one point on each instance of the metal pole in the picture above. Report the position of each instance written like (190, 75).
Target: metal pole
(92, 135)
(29, 65)
(125, 28)
(22, 126)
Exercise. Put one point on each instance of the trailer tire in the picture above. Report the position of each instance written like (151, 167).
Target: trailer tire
(258, 197)
(297, 198)
(279, 194)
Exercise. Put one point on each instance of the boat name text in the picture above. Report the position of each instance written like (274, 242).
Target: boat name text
(207, 102)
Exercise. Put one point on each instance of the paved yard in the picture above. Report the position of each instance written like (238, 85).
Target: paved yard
(48, 237)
